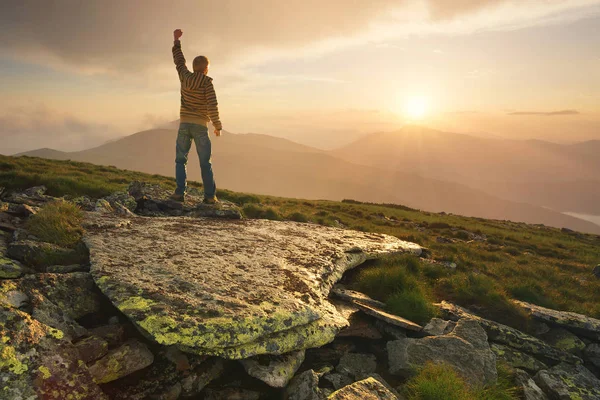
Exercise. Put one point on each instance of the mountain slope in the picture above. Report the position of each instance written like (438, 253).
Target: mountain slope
(266, 165)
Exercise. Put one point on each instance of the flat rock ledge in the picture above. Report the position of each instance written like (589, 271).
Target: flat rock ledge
(229, 288)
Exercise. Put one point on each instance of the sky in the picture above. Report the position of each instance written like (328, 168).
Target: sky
(75, 74)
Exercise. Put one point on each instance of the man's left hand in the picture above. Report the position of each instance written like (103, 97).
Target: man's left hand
(217, 132)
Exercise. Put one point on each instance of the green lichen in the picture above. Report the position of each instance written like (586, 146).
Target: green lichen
(45, 372)
(56, 333)
(9, 269)
(8, 359)
(136, 303)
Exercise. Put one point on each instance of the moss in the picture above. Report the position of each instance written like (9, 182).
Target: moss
(45, 372)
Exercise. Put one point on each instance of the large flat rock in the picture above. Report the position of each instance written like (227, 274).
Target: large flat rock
(229, 288)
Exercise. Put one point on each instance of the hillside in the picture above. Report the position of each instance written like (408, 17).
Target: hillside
(267, 165)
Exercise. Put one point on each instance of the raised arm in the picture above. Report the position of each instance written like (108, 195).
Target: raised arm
(213, 107)
(178, 57)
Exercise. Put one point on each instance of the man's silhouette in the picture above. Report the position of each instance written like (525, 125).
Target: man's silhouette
(198, 107)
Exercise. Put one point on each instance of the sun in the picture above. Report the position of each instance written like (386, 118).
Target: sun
(415, 107)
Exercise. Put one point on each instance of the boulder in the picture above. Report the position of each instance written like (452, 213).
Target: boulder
(592, 354)
(508, 336)
(564, 340)
(438, 326)
(578, 323)
(275, 371)
(352, 296)
(367, 389)
(531, 391)
(389, 318)
(34, 196)
(567, 381)
(304, 386)
(338, 380)
(389, 330)
(596, 271)
(465, 349)
(10, 269)
(122, 361)
(360, 327)
(122, 198)
(41, 254)
(113, 334)
(91, 348)
(37, 363)
(517, 359)
(249, 287)
(357, 365)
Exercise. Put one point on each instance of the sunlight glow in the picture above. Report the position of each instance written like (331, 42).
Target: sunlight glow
(416, 107)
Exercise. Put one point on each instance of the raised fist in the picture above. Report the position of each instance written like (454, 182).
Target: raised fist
(177, 33)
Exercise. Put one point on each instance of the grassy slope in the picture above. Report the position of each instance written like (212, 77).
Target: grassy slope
(532, 263)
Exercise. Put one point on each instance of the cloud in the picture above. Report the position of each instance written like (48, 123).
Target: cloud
(547, 114)
(40, 126)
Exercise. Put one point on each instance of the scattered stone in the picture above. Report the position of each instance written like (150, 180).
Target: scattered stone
(578, 323)
(531, 391)
(357, 365)
(113, 334)
(178, 358)
(517, 359)
(438, 326)
(91, 348)
(37, 363)
(352, 296)
(596, 271)
(34, 196)
(231, 394)
(592, 354)
(10, 269)
(567, 381)
(564, 340)
(389, 330)
(249, 287)
(41, 254)
(123, 199)
(130, 357)
(360, 327)
(47, 312)
(304, 386)
(21, 210)
(509, 336)
(466, 349)
(103, 206)
(67, 269)
(275, 371)
(367, 389)
(84, 202)
(204, 374)
(389, 318)
(338, 380)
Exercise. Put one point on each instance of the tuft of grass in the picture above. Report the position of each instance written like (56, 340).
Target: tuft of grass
(504, 389)
(257, 212)
(413, 305)
(297, 217)
(58, 222)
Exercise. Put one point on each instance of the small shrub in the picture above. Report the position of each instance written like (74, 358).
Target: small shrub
(437, 382)
(58, 222)
(297, 217)
(413, 305)
(504, 389)
(382, 282)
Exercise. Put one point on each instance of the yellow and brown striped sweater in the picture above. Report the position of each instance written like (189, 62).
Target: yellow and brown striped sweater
(198, 98)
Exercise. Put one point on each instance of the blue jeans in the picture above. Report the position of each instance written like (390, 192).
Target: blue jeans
(199, 134)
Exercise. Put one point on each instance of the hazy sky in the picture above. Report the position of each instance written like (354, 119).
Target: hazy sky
(76, 73)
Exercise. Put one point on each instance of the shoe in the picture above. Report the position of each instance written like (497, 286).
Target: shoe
(212, 200)
(177, 197)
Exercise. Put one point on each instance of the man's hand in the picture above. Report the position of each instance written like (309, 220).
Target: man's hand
(217, 132)
(177, 33)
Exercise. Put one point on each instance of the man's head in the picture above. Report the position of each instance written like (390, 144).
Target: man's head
(201, 64)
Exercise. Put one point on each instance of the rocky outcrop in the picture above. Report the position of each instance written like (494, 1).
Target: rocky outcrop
(122, 361)
(465, 349)
(40, 255)
(531, 391)
(248, 287)
(367, 389)
(566, 382)
(517, 359)
(304, 386)
(275, 371)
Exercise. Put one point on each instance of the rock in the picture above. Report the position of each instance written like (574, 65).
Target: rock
(531, 391)
(36, 363)
(204, 374)
(22, 210)
(12, 297)
(465, 349)
(52, 315)
(361, 327)
(509, 336)
(10, 269)
(578, 323)
(567, 381)
(517, 359)
(249, 287)
(122, 361)
(391, 331)
(596, 271)
(275, 371)
(231, 394)
(352, 296)
(389, 318)
(367, 389)
(304, 386)
(357, 365)
(592, 354)
(338, 380)
(123, 199)
(67, 269)
(91, 348)
(34, 196)
(103, 206)
(437, 327)
(41, 254)
(84, 202)
(113, 334)
(564, 340)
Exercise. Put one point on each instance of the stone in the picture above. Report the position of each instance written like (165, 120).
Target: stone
(338, 380)
(517, 359)
(84, 202)
(508, 336)
(249, 287)
(304, 386)
(578, 323)
(275, 371)
(34, 196)
(22, 210)
(596, 271)
(352, 296)
(357, 365)
(37, 363)
(592, 354)
(204, 374)
(389, 318)
(10, 269)
(67, 269)
(465, 349)
(103, 206)
(91, 348)
(122, 198)
(231, 394)
(41, 254)
(437, 327)
(367, 389)
(564, 340)
(389, 330)
(113, 334)
(531, 391)
(360, 327)
(132, 356)
(566, 381)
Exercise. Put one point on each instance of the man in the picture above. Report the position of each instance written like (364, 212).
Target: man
(198, 107)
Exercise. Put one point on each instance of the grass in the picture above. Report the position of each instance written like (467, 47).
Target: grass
(58, 222)
(441, 382)
(517, 261)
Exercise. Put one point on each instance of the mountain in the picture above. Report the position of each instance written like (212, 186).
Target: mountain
(267, 165)
(561, 177)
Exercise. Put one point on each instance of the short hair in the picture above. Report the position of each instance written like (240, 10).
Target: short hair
(200, 63)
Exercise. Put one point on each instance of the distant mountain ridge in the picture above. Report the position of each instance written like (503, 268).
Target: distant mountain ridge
(268, 165)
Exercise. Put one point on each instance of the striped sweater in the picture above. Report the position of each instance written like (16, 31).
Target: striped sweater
(198, 98)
